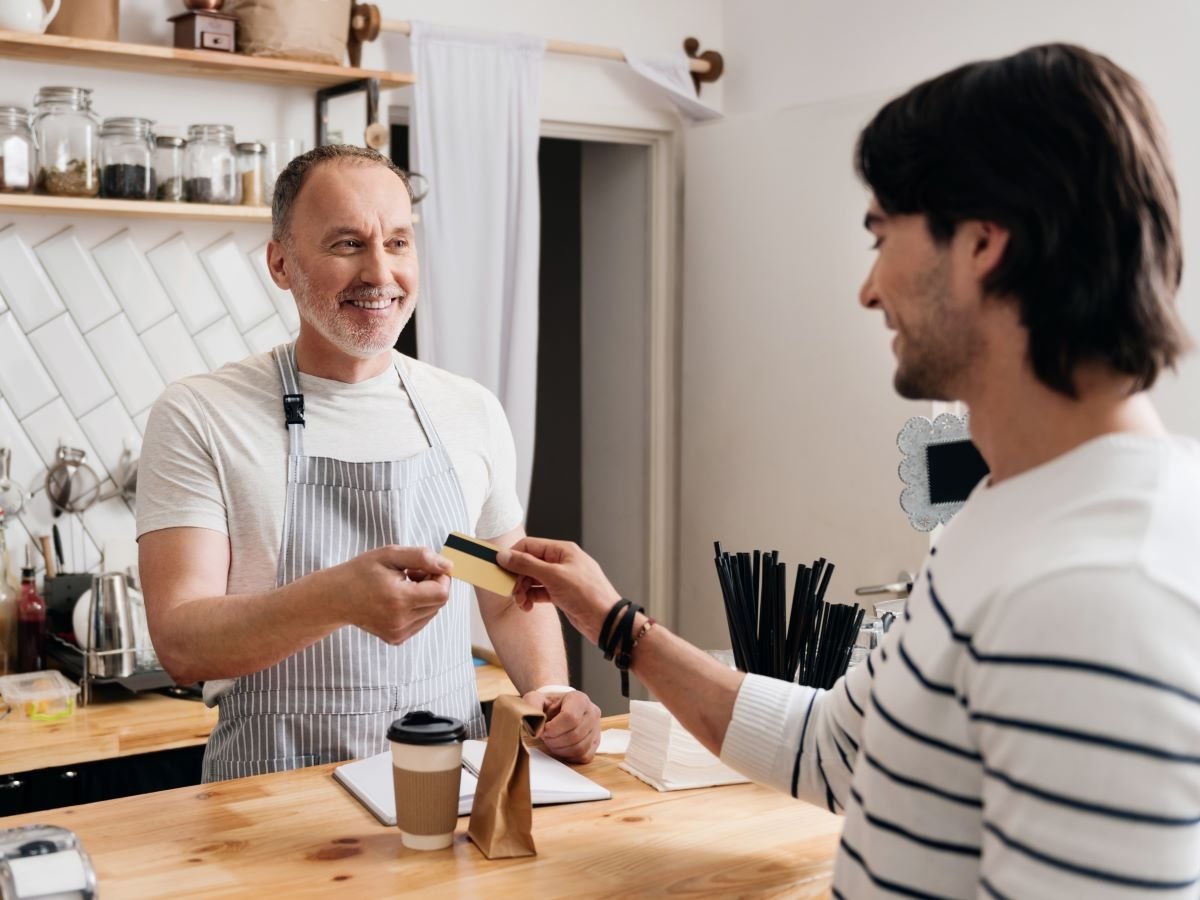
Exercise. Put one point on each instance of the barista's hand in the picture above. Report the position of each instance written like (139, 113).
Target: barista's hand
(392, 591)
(559, 572)
(572, 730)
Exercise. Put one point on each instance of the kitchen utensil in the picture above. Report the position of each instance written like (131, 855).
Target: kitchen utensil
(71, 484)
(12, 498)
(58, 553)
(47, 557)
(111, 636)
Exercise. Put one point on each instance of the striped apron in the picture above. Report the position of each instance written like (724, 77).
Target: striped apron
(334, 699)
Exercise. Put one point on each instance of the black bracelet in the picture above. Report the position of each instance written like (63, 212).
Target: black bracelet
(616, 638)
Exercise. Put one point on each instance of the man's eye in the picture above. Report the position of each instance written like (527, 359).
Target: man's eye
(346, 244)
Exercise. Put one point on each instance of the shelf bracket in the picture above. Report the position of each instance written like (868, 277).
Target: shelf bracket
(376, 136)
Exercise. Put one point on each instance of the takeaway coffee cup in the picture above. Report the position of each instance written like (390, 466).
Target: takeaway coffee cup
(426, 766)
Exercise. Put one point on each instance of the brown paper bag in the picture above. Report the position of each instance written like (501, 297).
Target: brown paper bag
(502, 813)
(306, 30)
(95, 19)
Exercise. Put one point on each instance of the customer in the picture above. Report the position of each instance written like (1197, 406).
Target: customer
(1031, 726)
(290, 506)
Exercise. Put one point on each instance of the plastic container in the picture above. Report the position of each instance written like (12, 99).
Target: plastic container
(42, 696)
(67, 134)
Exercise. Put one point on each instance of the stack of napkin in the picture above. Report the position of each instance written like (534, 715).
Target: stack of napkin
(662, 754)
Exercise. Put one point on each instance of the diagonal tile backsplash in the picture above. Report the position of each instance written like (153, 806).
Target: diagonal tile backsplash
(95, 319)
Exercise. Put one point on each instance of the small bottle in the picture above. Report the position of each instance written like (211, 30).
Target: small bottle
(31, 621)
(8, 610)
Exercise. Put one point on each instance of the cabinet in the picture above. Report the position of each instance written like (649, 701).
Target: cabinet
(150, 60)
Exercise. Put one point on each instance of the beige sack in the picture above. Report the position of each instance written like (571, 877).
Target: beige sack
(502, 812)
(98, 20)
(307, 30)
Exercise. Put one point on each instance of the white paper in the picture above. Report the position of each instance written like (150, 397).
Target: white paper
(613, 741)
(550, 781)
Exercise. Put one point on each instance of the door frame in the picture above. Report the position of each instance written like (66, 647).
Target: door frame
(663, 364)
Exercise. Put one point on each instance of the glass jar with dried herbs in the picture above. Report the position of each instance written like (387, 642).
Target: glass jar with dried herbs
(127, 159)
(67, 134)
(168, 168)
(211, 165)
(17, 158)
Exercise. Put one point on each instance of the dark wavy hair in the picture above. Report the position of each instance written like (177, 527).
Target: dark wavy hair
(1063, 148)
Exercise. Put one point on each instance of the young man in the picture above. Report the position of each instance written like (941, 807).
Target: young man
(291, 504)
(1031, 727)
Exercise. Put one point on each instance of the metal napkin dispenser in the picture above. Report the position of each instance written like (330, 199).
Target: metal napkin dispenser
(44, 861)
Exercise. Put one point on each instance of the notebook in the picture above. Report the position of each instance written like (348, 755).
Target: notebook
(550, 782)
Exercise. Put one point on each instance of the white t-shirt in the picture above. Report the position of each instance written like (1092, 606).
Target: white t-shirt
(216, 446)
(1031, 726)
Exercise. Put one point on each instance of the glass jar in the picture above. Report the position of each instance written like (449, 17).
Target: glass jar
(252, 170)
(67, 134)
(127, 159)
(168, 168)
(17, 158)
(210, 165)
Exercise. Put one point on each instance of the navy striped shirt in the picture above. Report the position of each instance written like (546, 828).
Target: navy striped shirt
(1031, 726)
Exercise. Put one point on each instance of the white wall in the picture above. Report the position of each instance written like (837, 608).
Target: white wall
(812, 52)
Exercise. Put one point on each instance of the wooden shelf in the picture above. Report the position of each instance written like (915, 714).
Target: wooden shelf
(151, 60)
(142, 209)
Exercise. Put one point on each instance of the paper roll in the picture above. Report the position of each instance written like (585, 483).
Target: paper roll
(61, 874)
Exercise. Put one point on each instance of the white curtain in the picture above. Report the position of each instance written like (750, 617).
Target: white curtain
(474, 134)
(673, 76)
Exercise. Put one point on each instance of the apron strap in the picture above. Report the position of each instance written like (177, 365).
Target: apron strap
(293, 399)
(431, 434)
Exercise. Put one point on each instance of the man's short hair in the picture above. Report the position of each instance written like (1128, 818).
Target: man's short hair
(1063, 148)
(291, 179)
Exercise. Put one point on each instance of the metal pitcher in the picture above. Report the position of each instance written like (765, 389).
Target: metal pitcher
(111, 634)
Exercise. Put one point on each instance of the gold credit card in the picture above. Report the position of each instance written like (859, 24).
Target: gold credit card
(475, 562)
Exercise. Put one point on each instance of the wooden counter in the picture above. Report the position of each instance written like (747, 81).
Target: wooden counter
(117, 724)
(302, 833)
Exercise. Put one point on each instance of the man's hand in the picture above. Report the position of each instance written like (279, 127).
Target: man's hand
(572, 731)
(392, 592)
(559, 572)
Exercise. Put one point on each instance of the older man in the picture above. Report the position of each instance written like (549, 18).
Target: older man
(291, 504)
(1031, 726)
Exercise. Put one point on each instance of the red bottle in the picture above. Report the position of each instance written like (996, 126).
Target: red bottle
(31, 625)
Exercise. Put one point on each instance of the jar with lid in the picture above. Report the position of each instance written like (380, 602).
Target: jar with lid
(168, 168)
(127, 159)
(252, 170)
(211, 165)
(67, 135)
(16, 151)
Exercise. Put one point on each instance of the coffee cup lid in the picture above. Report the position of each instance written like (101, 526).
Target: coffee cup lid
(423, 727)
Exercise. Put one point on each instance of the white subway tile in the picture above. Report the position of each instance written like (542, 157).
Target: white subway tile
(23, 378)
(23, 284)
(133, 281)
(27, 468)
(221, 343)
(110, 521)
(285, 304)
(127, 363)
(77, 279)
(52, 426)
(237, 283)
(71, 364)
(190, 289)
(109, 429)
(268, 335)
(172, 350)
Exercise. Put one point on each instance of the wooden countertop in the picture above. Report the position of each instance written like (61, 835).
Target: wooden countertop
(118, 723)
(302, 833)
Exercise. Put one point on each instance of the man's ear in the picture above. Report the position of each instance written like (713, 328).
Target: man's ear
(987, 242)
(277, 265)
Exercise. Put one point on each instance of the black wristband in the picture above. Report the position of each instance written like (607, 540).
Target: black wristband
(616, 638)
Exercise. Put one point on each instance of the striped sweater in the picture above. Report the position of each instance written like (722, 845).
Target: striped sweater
(1031, 726)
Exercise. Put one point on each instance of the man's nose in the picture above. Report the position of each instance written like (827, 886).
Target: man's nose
(375, 268)
(868, 296)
